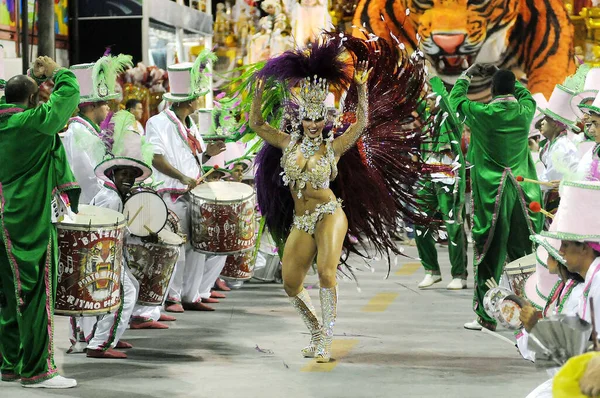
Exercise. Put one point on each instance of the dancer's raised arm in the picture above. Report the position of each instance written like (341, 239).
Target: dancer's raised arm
(265, 131)
(349, 138)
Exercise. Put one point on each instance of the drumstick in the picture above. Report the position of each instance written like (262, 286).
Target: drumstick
(536, 207)
(148, 229)
(215, 167)
(134, 216)
(594, 331)
(523, 179)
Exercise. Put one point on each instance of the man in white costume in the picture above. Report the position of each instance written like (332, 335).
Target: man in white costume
(118, 174)
(85, 149)
(179, 153)
(558, 152)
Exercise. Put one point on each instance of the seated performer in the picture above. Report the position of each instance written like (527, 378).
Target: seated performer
(580, 248)
(589, 166)
(179, 152)
(558, 152)
(34, 165)
(119, 173)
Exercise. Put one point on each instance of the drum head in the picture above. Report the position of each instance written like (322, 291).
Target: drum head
(96, 216)
(223, 191)
(145, 212)
(522, 265)
(170, 238)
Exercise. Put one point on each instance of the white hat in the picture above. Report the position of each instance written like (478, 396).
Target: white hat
(578, 200)
(188, 81)
(559, 107)
(590, 89)
(541, 103)
(98, 80)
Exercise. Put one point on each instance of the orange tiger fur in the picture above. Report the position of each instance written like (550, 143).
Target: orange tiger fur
(534, 37)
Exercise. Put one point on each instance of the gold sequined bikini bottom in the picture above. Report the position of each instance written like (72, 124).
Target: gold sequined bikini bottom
(308, 221)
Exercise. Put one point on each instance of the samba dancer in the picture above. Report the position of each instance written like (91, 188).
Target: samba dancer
(499, 152)
(85, 148)
(319, 226)
(118, 173)
(35, 164)
(179, 153)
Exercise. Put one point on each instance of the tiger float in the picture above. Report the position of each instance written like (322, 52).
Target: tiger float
(534, 38)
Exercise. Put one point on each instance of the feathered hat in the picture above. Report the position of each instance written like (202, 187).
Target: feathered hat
(98, 80)
(188, 81)
(126, 148)
(313, 71)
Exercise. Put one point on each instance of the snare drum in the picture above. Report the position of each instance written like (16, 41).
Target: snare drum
(153, 264)
(509, 312)
(91, 262)
(518, 271)
(492, 298)
(239, 266)
(145, 211)
(223, 218)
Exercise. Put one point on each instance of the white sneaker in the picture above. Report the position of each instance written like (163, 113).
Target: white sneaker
(429, 280)
(473, 325)
(57, 382)
(457, 284)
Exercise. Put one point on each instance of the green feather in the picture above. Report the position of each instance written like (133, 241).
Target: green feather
(105, 73)
(123, 121)
(200, 73)
(576, 81)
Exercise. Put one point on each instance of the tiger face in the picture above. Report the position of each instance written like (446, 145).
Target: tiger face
(455, 34)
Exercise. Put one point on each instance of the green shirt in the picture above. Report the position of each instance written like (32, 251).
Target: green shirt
(34, 166)
(499, 151)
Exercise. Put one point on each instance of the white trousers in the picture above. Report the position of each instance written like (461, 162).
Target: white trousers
(212, 269)
(146, 313)
(111, 327)
(190, 266)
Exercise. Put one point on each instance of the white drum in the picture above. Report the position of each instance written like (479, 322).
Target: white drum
(223, 217)
(146, 211)
(91, 262)
(153, 264)
(518, 271)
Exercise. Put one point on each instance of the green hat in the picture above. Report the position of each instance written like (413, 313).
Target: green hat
(559, 107)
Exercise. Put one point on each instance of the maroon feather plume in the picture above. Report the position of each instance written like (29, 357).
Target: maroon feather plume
(324, 59)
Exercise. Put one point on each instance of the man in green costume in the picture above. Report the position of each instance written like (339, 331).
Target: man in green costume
(499, 153)
(34, 168)
(443, 192)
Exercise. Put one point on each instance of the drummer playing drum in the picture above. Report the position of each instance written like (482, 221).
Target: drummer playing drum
(118, 175)
(179, 152)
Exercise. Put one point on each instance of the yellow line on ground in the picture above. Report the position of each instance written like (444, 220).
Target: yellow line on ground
(339, 349)
(380, 302)
(408, 269)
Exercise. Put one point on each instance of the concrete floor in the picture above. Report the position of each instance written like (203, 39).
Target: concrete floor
(392, 340)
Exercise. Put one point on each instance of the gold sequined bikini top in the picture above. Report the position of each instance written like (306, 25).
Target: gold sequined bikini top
(296, 178)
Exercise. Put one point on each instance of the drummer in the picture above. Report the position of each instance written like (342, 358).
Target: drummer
(179, 153)
(85, 148)
(118, 174)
